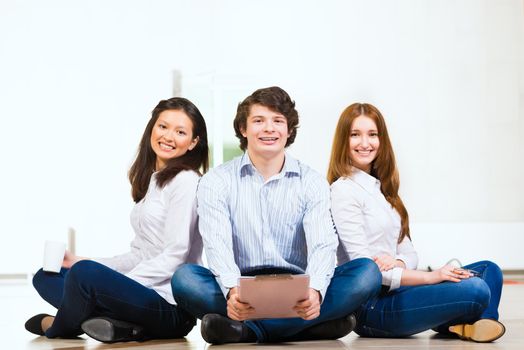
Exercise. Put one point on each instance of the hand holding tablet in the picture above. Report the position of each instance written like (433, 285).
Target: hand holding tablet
(273, 296)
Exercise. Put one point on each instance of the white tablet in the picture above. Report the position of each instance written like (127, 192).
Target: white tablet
(273, 296)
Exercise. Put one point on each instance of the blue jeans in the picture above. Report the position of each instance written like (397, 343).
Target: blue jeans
(196, 290)
(413, 309)
(90, 289)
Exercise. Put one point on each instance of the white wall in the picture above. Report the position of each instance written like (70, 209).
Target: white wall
(78, 81)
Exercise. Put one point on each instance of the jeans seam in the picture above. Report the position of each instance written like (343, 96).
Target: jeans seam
(433, 306)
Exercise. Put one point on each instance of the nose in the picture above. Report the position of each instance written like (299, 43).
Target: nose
(168, 135)
(364, 141)
(268, 126)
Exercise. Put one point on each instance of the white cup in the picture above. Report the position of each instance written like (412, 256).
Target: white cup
(53, 256)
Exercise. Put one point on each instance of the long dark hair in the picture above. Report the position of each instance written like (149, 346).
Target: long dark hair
(384, 167)
(196, 159)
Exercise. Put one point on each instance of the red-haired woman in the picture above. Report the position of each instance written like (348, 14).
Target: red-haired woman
(373, 222)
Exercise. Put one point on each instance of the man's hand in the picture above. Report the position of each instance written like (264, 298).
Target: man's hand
(237, 310)
(309, 308)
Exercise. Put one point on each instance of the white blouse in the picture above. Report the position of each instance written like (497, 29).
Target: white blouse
(368, 225)
(166, 234)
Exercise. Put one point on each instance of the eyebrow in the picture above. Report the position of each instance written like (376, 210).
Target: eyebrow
(265, 117)
(160, 120)
(370, 130)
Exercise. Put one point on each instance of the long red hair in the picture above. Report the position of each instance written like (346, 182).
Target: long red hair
(384, 167)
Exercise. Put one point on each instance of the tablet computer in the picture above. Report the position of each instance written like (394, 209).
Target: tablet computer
(273, 296)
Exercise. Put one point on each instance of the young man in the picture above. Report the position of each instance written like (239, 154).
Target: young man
(265, 212)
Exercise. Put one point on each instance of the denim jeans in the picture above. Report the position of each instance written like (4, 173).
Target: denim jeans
(90, 289)
(196, 290)
(412, 309)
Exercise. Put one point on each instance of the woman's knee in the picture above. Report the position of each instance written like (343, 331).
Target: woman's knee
(39, 279)
(476, 291)
(86, 271)
(487, 263)
(494, 270)
(487, 267)
(84, 266)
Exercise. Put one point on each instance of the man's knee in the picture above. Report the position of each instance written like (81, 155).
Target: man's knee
(367, 279)
(371, 274)
(188, 280)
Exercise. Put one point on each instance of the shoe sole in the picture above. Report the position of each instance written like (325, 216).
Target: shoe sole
(482, 331)
(111, 331)
(99, 329)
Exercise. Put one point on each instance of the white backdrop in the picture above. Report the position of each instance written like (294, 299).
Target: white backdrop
(78, 80)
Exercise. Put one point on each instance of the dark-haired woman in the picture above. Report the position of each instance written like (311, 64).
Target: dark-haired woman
(128, 297)
(372, 222)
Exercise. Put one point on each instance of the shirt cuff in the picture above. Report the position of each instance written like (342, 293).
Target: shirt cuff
(395, 278)
(226, 282)
(405, 259)
(320, 284)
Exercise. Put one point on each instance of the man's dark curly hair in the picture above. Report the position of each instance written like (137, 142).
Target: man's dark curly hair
(273, 98)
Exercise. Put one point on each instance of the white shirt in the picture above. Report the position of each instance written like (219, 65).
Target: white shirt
(368, 225)
(248, 223)
(166, 234)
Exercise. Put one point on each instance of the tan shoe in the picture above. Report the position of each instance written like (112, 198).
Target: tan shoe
(482, 331)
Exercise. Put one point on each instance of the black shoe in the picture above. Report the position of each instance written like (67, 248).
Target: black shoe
(34, 324)
(107, 330)
(333, 329)
(218, 329)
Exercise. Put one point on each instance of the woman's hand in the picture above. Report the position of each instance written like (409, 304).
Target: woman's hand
(309, 308)
(70, 259)
(385, 262)
(448, 273)
(237, 310)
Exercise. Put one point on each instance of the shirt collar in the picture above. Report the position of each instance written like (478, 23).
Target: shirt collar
(291, 166)
(366, 181)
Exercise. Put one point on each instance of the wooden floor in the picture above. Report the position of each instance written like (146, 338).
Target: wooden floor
(19, 301)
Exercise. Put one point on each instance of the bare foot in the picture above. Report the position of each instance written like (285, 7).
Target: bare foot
(47, 322)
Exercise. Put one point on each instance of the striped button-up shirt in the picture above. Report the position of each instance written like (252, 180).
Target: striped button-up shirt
(249, 224)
